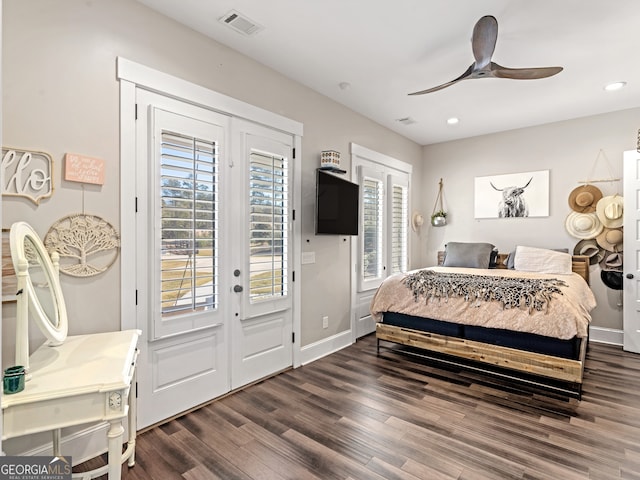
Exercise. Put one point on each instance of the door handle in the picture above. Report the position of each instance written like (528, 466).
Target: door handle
(237, 288)
(629, 276)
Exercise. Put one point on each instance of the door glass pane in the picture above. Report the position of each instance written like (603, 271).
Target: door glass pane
(398, 232)
(189, 209)
(268, 220)
(372, 228)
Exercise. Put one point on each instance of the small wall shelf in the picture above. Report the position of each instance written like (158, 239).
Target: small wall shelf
(332, 169)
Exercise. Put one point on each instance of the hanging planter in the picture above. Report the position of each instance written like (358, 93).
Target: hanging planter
(439, 215)
(439, 218)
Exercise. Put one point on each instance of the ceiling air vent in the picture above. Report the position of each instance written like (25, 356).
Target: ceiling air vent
(241, 23)
(406, 121)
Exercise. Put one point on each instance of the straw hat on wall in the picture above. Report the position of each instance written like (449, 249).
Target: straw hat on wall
(611, 239)
(583, 225)
(590, 248)
(612, 261)
(583, 199)
(610, 211)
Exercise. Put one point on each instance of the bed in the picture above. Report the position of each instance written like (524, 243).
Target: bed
(468, 315)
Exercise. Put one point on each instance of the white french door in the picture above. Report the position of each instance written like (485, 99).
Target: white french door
(261, 327)
(631, 280)
(212, 254)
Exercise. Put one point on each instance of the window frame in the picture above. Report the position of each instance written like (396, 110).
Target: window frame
(401, 181)
(368, 163)
(280, 200)
(169, 170)
(366, 174)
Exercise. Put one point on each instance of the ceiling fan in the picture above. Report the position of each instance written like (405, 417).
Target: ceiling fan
(483, 43)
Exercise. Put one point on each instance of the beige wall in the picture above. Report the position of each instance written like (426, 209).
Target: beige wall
(567, 149)
(60, 94)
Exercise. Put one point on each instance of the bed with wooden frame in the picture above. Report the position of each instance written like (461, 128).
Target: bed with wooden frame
(553, 363)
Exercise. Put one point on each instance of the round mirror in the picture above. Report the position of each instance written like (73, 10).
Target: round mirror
(41, 285)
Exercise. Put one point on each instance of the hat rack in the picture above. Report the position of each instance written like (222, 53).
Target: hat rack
(593, 169)
(599, 231)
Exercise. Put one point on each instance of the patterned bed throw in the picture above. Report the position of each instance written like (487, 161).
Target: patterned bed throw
(511, 292)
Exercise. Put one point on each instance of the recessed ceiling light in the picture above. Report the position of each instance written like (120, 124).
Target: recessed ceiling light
(453, 121)
(614, 86)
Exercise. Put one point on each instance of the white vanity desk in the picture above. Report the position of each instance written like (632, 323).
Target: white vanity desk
(86, 379)
(70, 380)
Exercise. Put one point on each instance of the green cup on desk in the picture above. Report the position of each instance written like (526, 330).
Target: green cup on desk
(13, 380)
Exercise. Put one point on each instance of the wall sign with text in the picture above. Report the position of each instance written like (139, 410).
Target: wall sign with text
(26, 174)
(78, 168)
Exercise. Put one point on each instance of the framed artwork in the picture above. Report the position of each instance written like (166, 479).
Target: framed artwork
(512, 195)
(9, 279)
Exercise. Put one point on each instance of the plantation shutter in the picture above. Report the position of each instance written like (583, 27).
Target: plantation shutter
(383, 242)
(268, 222)
(372, 260)
(398, 219)
(189, 211)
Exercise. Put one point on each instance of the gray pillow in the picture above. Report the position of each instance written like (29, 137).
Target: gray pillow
(469, 255)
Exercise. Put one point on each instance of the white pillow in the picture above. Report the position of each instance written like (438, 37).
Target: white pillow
(541, 260)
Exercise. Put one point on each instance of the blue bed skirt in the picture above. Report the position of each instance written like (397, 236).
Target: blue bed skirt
(495, 336)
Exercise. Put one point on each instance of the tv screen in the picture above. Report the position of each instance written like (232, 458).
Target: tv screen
(336, 205)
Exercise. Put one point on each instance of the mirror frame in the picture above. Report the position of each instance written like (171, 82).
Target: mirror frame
(56, 334)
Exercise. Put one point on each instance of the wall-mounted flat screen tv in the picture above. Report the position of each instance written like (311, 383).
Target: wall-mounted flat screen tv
(336, 205)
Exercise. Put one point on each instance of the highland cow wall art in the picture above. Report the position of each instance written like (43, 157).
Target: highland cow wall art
(516, 195)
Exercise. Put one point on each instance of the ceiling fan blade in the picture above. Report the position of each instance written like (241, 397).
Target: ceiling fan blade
(483, 41)
(499, 71)
(445, 85)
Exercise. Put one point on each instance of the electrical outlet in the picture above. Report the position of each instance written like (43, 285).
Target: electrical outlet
(325, 322)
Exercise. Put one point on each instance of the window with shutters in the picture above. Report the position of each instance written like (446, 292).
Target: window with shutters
(398, 228)
(372, 261)
(383, 244)
(268, 220)
(382, 247)
(189, 234)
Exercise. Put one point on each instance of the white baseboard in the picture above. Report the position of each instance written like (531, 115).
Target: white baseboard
(324, 347)
(611, 336)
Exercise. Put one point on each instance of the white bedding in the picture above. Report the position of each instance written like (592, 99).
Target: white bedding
(567, 315)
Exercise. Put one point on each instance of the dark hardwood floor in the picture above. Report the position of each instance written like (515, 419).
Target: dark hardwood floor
(354, 415)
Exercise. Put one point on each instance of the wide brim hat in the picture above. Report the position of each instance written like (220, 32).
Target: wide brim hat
(611, 239)
(584, 198)
(583, 225)
(612, 279)
(589, 248)
(610, 211)
(612, 261)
